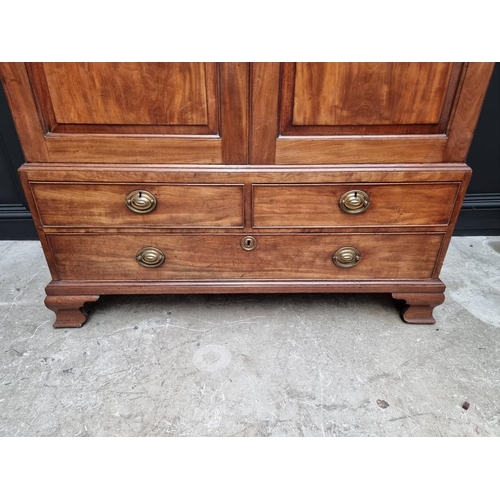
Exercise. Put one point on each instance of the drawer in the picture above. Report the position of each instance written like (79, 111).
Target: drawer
(218, 257)
(315, 205)
(104, 205)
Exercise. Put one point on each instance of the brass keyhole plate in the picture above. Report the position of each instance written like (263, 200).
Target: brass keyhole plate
(248, 243)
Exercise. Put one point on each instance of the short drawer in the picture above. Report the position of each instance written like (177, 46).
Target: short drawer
(315, 205)
(221, 256)
(105, 205)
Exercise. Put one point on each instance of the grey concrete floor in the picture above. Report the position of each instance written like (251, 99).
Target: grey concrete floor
(252, 365)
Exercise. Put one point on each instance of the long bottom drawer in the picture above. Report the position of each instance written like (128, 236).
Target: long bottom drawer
(218, 257)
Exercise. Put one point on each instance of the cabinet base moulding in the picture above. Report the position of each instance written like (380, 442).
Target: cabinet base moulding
(67, 299)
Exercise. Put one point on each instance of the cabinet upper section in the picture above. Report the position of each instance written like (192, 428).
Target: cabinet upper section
(238, 113)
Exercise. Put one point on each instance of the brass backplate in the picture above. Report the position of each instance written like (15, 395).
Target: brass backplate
(140, 201)
(346, 257)
(354, 202)
(150, 257)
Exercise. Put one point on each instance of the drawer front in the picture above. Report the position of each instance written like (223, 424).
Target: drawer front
(104, 205)
(218, 257)
(303, 205)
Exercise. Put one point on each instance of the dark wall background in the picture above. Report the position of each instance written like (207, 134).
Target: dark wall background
(15, 219)
(480, 214)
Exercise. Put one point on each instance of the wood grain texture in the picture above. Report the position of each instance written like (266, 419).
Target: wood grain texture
(82, 148)
(308, 205)
(235, 110)
(138, 136)
(29, 125)
(103, 205)
(419, 306)
(362, 149)
(69, 309)
(451, 226)
(369, 93)
(136, 148)
(264, 112)
(457, 76)
(390, 128)
(243, 286)
(369, 173)
(466, 115)
(128, 93)
(376, 102)
(107, 98)
(32, 204)
(216, 257)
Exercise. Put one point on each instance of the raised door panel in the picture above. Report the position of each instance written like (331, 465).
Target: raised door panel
(317, 113)
(389, 96)
(107, 97)
(130, 112)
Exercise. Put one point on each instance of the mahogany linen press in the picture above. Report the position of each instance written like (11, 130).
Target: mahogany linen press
(157, 178)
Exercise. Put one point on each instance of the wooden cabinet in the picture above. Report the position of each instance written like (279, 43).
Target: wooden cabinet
(238, 177)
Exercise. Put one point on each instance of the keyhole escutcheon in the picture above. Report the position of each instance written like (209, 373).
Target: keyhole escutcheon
(248, 243)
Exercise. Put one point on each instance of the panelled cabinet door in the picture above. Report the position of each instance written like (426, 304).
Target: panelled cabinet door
(130, 112)
(319, 113)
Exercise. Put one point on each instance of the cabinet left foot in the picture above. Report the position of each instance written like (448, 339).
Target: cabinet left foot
(69, 309)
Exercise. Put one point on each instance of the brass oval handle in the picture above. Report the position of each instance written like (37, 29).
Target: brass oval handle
(140, 201)
(346, 257)
(354, 202)
(248, 243)
(150, 257)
